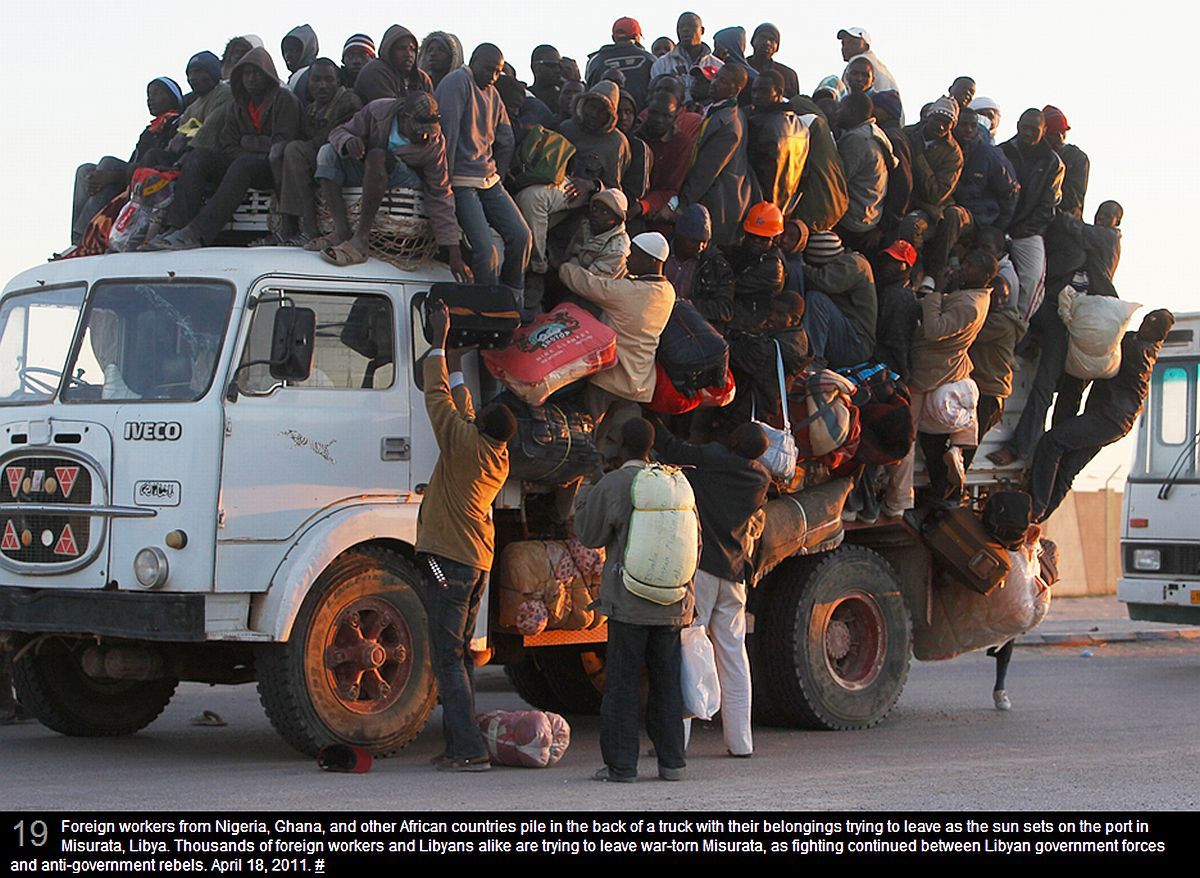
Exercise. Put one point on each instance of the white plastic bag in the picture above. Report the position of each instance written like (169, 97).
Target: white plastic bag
(1095, 327)
(951, 407)
(701, 689)
(780, 456)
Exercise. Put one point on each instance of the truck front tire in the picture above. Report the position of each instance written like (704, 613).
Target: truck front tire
(833, 641)
(52, 686)
(356, 669)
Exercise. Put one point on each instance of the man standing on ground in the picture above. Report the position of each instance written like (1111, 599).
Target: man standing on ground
(456, 538)
(730, 487)
(641, 633)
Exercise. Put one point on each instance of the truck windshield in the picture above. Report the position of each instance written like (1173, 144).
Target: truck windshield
(36, 329)
(149, 340)
(1167, 444)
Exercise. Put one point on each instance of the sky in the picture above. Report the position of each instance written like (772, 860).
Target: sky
(77, 73)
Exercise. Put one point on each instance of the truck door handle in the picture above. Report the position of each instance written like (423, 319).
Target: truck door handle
(395, 448)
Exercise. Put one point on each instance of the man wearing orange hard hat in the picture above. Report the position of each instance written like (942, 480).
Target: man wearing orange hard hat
(758, 266)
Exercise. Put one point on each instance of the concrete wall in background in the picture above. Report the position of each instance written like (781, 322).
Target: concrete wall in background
(1087, 529)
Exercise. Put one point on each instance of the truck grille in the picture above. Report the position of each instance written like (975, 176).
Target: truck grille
(44, 537)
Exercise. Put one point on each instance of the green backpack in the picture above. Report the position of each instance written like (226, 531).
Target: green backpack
(543, 156)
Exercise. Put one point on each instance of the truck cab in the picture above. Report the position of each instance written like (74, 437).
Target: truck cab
(1160, 543)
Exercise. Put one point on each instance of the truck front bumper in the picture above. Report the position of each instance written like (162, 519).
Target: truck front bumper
(164, 617)
(1161, 600)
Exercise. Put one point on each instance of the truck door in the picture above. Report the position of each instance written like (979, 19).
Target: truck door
(293, 449)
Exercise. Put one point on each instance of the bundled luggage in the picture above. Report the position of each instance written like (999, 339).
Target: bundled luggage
(558, 348)
(963, 548)
(961, 619)
(670, 400)
(693, 354)
(554, 443)
(801, 524)
(485, 315)
(885, 414)
(549, 584)
(144, 216)
(824, 420)
(524, 738)
(662, 549)
(950, 408)
(1095, 326)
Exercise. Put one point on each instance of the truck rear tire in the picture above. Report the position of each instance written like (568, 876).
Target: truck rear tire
(836, 641)
(529, 681)
(576, 677)
(52, 686)
(356, 669)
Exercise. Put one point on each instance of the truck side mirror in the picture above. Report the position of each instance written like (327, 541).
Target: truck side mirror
(292, 338)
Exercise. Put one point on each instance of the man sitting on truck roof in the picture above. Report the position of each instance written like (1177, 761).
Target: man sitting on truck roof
(387, 144)
(456, 538)
(262, 114)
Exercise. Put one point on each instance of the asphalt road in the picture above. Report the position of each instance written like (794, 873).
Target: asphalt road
(1113, 730)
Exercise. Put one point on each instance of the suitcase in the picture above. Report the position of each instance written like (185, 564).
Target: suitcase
(693, 354)
(483, 315)
(960, 544)
(1007, 516)
(556, 349)
(553, 445)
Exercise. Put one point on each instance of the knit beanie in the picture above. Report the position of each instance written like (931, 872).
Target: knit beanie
(945, 106)
(173, 87)
(823, 247)
(889, 102)
(208, 62)
(360, 41)
(766, 27)
(695, 223)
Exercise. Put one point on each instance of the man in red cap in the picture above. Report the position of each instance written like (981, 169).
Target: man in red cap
(626, 54)
(899, 312)
(1074, 159)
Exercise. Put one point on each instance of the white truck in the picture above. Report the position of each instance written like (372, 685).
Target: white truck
(212, 463)
(1160, 542)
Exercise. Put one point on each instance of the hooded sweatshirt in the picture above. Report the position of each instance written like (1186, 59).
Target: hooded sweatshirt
(733, 41)
(479, 137)
(298, 81)
(275, 120)
(450, 41)
(379, 79)
(602, 155)
(866, 159)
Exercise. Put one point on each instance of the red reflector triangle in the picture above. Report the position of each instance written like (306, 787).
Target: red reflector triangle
(10, 542)
(14, 474)
(66, 543)
(66, 478)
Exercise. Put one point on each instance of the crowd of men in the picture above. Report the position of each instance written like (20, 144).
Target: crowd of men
(821, 222)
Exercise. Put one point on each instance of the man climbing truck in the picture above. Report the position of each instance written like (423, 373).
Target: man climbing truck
(212, 463)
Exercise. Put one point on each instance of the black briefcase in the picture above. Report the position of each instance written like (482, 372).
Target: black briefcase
(481, 315)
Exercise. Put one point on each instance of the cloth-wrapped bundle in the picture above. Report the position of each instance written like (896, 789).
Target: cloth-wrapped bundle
(524, 738)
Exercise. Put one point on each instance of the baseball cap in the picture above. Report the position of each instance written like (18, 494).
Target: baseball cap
(854, 32)
(626, 27)
(422, 107)
(903, 252)
(708, 71)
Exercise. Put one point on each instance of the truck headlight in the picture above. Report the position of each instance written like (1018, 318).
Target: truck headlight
(1147, 559)
(150, 567)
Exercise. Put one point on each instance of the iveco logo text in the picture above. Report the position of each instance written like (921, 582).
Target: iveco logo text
(153, 431)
